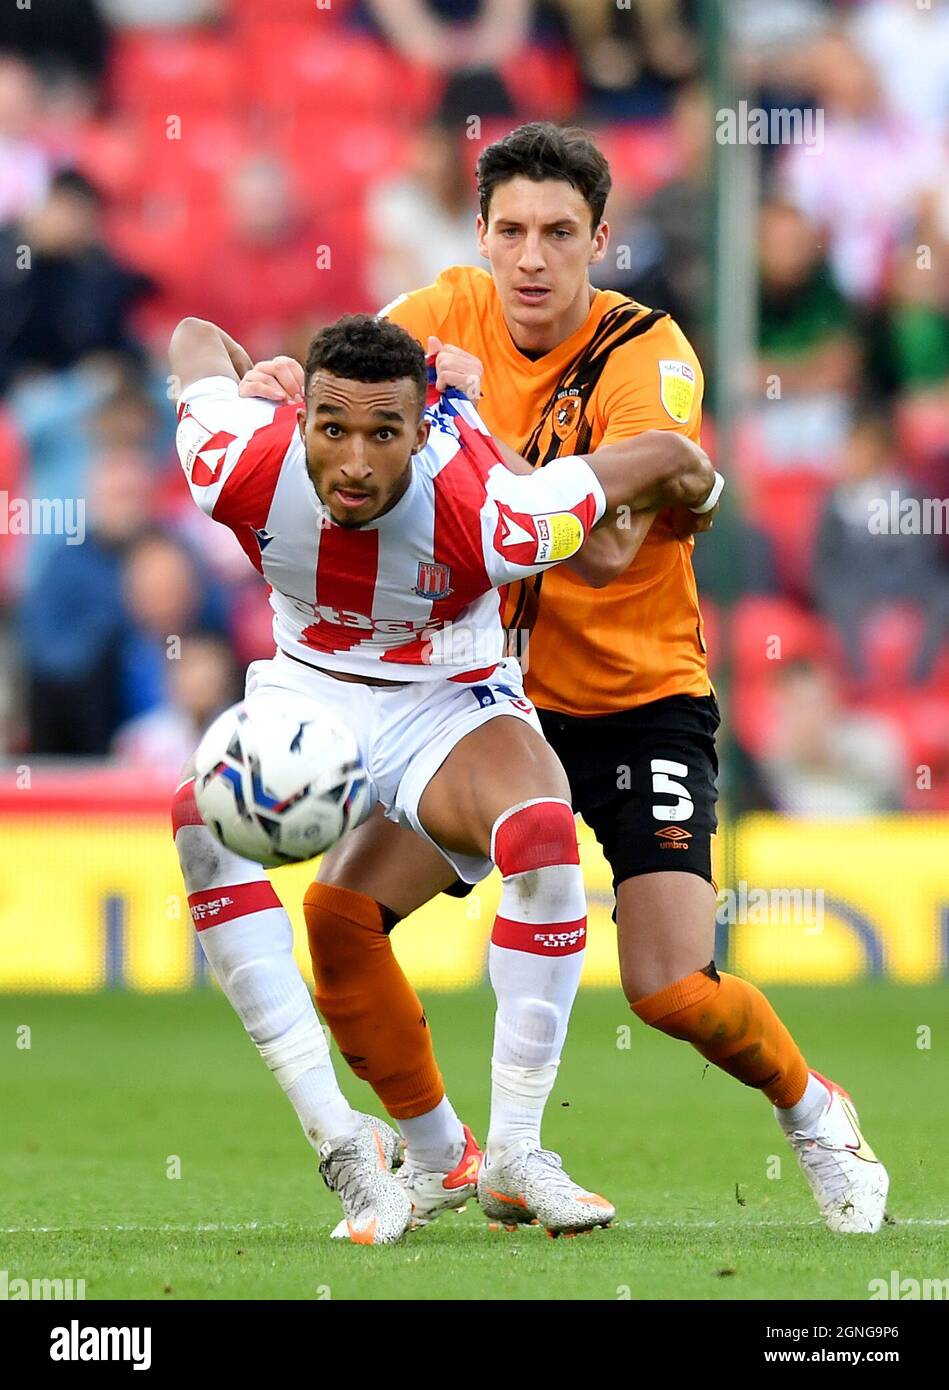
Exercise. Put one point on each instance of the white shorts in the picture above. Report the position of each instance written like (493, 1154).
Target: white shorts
(405, 732)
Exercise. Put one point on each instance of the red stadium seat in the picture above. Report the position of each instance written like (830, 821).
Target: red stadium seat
(890, 640)
(288, 67)
(753, 712)
(922, 719)
(922, 428)
(211, 145)
(158, 234)
(108, 152)
(766, 635)
(767, 632)
(545, 81)
(787, 507)
(175, 71)
(334, 159)
(643, 154)
(322, 12)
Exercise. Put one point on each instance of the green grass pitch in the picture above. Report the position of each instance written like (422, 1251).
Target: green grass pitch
(114, 1086)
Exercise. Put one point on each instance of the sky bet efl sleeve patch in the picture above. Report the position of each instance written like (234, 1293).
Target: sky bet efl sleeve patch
(526, 540)
(559, 536)
(677, 389)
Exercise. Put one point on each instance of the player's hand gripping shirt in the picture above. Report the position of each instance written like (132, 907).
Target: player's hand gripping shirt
(625, 370)
(412, 595)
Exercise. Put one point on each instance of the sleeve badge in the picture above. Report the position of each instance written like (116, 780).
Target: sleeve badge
(677, 389)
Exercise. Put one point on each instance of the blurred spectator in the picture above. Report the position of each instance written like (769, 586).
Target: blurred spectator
(454, 35)
(71, 297)
(161, 14)
(424, 221)
(669, 236)
(72, 620)
(825, 760)
(201, 683)
(166, 597)
(24, 166)
(808, 356)
(908, 46)
(56, 36)
(265, 272)
(64, 421)
(860, 566)
(631, 56)
(864, 187)
(917, 336)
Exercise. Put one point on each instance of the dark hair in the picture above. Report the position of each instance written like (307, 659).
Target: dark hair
(73, 182)
(542, 150)
(362, 347)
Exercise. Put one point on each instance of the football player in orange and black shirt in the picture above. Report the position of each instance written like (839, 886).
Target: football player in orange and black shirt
(618, 672)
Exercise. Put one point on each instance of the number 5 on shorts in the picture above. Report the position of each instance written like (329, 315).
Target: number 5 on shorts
(663, 785)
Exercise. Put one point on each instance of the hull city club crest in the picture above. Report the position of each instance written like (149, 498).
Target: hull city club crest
(434, 581)
(566, 412)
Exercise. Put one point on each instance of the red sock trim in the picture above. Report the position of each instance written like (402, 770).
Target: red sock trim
(535, 836)
(212, 906)
(555, 939)
(184, 808)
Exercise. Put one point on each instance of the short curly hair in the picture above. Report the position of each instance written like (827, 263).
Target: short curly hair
(362, 347)
(543, 150)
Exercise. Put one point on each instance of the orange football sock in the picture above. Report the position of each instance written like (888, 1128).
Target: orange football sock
(731, 1024)
(373, 1012)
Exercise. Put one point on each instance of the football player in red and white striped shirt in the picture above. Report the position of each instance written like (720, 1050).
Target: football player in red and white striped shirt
(384, 519)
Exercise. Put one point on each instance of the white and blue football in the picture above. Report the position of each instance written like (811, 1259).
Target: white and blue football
(280, 779)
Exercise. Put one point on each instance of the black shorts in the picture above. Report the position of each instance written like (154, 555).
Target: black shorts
(644, 780)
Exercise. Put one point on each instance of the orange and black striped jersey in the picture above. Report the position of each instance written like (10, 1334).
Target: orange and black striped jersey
(625, 370)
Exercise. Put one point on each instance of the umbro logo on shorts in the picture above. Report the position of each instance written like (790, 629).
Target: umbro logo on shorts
(673, 837)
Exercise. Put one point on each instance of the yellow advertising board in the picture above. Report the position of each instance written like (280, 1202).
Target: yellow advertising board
(89, 904)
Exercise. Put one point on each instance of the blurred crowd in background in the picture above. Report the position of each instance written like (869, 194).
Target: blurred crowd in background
(169, 157)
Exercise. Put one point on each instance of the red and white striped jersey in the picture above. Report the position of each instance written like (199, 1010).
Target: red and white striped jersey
(412, 595)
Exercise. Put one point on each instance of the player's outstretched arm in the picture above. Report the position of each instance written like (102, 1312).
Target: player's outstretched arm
(655, 469)
(615, 541)
(610, 548)
(200, 349)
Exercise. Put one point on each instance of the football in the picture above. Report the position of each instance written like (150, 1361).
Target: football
(280, 780)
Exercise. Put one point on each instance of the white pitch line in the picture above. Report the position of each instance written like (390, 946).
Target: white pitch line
(212, 1228)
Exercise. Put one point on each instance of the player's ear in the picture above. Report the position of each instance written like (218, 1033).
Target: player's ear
(601, 240)
(421, 438)
(482, 230)
(301, 422)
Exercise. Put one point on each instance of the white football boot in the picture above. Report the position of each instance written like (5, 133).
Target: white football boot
(528, 1185)
(847, 1179)
(433, 1193)
(359, 1170)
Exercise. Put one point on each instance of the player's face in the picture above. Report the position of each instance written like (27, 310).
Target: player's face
(540, 244)
(359, 438)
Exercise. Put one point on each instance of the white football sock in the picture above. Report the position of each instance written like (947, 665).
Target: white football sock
(434, 1141)
(535, 994)
(251, 955)
(804, 1115)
